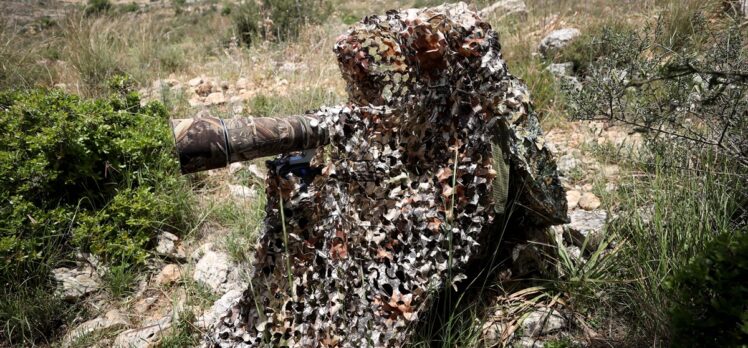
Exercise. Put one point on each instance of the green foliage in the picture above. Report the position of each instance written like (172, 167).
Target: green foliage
(261, 106)
(94, 175)
(683, 23)
(101, 171)
(595, 43)
(28, 314)
(690, 95)
(226, 10)
(247, 21)
(710, 306)
(287, 17)
(687, 95)
(350, 18)
(184, 333)
(131, 7)
(97, 6)
(681, 201)
(243, 220)
(559, 343)
(119, 280)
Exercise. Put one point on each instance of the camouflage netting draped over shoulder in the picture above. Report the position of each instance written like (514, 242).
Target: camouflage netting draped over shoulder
(420, 160)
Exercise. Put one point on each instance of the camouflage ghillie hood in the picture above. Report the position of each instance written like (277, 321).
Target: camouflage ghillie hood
(407, 192)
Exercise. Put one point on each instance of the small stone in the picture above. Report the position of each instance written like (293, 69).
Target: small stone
(114, 319)
(212, 269)
(144, 304)
(567, 163)
(611, 171)
(235, 167)
(200, 251)
(586, 226)
(492, 331)
(241, 191)
(589, 201)
(146, 336)
(75, 283)
(572, 198)
(241, 83)
(237, 108)
(167, 243)
(247, 94)
(195, 82)
(291, 66)
(561, 69)
(556, 40)
(610, 187)
(564, 73)
(169, 274)
(574, 252)
(256, 171)
(504, 8)
(542, 322)
(215, 98)
(195, 101)
(219, 308)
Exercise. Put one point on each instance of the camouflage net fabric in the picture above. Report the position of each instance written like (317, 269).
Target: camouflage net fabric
(353, 257)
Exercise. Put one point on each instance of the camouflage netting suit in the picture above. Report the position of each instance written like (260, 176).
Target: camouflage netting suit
(415, 175)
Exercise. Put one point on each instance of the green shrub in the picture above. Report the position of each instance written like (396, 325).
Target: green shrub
(29, 314)
(247, 21)
(694, 96)
(287, 16)
(97, 6)
(99, 170)
(76, 174)
(131, 7)
(226, 10)
(595, 43)
(710, 307)
(119, 280)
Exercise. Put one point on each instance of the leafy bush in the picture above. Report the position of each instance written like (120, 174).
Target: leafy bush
(711, 296)
(286, 18)
(131, 7)
(100, 171)
(29, 313)
(688, 99)
(247, 21)
(595, 43)
(76, 174)
(694, 96)
(97, 6)
(226, 10)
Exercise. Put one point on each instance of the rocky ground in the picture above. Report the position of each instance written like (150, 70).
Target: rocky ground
(198, 277)
(203, 262)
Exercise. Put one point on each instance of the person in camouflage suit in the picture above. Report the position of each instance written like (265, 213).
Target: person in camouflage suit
(436, 139)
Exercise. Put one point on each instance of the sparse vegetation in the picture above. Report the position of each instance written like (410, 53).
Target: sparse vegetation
(88, 167)
(97, 7)
(281, 20)
(93, 175)
(710, 301)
